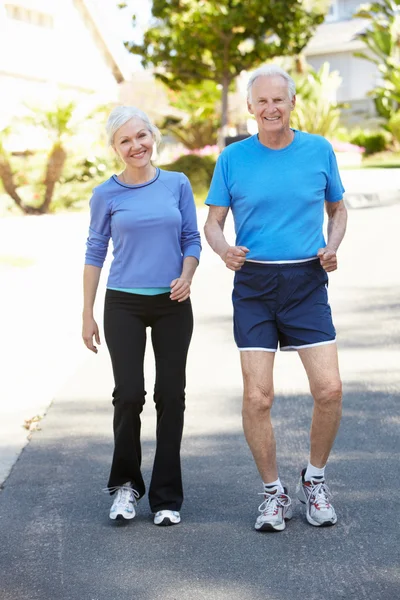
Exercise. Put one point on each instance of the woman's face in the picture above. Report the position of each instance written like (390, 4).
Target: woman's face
(133, 143)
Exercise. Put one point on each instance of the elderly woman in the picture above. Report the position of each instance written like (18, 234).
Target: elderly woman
(150, 216)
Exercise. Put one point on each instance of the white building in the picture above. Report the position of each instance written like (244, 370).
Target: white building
(53, 47)
(335, 43)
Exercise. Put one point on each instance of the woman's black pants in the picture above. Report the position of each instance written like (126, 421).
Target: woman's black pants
(126, 317)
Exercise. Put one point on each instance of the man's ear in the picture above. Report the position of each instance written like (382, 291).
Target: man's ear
(293, 103)
(249, 108)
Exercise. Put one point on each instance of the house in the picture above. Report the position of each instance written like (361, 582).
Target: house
(335, 43)
(53, 47)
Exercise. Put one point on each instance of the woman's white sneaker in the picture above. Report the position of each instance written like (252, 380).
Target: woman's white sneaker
(167, 517)
(124, 503)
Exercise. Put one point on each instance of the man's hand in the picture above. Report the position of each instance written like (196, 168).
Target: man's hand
(235, 257)
(327, 258)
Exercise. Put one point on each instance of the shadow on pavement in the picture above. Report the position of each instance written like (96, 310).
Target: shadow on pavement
(58, 544)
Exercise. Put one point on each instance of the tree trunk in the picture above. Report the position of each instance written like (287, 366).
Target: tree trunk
(55, 165)
(224, 112)
(7, 177)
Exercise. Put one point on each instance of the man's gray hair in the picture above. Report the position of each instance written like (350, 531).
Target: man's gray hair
(122, 114)
(271, 71)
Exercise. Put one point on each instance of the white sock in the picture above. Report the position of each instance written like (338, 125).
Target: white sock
(314, 473)
(272, 486)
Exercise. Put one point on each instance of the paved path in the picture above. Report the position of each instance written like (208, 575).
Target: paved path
(57, 542)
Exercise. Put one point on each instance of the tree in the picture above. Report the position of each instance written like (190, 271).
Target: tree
(59, 125)
(199, 119)
(196, 40)
(382, 39)
(316, 108)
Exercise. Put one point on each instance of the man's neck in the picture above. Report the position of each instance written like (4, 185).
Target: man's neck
(276, 141)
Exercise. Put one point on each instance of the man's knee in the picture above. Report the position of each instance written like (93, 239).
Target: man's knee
(329, 393)
(257, 401)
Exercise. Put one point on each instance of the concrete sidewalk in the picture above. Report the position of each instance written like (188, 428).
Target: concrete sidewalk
(57, 542)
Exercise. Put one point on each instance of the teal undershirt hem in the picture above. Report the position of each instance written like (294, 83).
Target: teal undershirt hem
(143, 291)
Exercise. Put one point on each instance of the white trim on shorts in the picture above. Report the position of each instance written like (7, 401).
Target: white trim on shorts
(257, 349)
(285, 348)
(282, 262)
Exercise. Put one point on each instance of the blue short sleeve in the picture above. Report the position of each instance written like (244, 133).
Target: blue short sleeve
(334, 188)
(218, 194)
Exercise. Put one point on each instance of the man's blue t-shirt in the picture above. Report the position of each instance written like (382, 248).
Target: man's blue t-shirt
(277, 196)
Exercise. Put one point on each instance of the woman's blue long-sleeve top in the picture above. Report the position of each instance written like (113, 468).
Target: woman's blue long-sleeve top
(153, 227)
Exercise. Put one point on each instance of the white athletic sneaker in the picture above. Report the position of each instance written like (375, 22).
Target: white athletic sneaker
(124, 503)
(167, 517)
(275, 510)
(316, 496)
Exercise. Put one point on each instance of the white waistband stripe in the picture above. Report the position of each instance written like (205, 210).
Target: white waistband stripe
(282, 262)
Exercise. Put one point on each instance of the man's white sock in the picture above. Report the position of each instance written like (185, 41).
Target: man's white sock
(314, 473)
(273, 486)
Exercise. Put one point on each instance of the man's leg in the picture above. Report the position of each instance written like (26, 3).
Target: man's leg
(321, 364)
(258, 396)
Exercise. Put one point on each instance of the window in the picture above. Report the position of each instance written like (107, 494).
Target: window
(333, 11)
(27, 15)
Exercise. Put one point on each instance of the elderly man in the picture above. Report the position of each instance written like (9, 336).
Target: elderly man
(277, 183)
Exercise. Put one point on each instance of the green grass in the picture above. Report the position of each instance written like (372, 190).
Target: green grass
(382, 160)
(16, 261)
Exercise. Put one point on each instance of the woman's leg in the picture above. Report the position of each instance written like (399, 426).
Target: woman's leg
(171, 333)
(125, 334)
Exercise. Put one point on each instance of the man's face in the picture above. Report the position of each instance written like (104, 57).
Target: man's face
(270, 104)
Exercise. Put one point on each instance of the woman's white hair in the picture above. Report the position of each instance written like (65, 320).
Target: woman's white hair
(271, 71)
(122, 114)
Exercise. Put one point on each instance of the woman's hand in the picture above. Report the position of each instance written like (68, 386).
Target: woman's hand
(180, 289)
(90, 329)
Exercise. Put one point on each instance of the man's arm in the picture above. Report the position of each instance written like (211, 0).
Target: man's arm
(337, 221)
(233, 256)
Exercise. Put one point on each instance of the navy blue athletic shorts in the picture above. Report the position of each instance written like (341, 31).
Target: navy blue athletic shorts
(281, 302)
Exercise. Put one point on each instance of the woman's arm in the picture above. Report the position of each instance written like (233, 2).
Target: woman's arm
(180, 287)
(91, 277)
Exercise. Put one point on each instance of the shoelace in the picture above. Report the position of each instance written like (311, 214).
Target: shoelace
(269, 505)
(320, 495)
(125, 494)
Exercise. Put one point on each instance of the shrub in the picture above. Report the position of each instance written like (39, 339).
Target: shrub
(373, 142)
(199, 170)
(394, 126)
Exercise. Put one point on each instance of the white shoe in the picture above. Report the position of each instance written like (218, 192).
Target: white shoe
(124, 504)
(316, 496)
(167, 517)
(275, 511)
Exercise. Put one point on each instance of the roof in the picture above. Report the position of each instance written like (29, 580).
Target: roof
(338, 36)
(112, 50)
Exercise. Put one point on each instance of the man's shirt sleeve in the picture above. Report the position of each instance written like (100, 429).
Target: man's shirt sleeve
(334, 188)
(218, 194)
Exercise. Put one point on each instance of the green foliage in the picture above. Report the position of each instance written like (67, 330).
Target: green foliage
(199, 170)
(57, 121)
(394, 126)
(197, 103)
(382, 39)
(373, 142)
(216, 40)
(316, 109)
(41, 182)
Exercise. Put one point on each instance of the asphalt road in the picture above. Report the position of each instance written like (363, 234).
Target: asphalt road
(58, 544)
